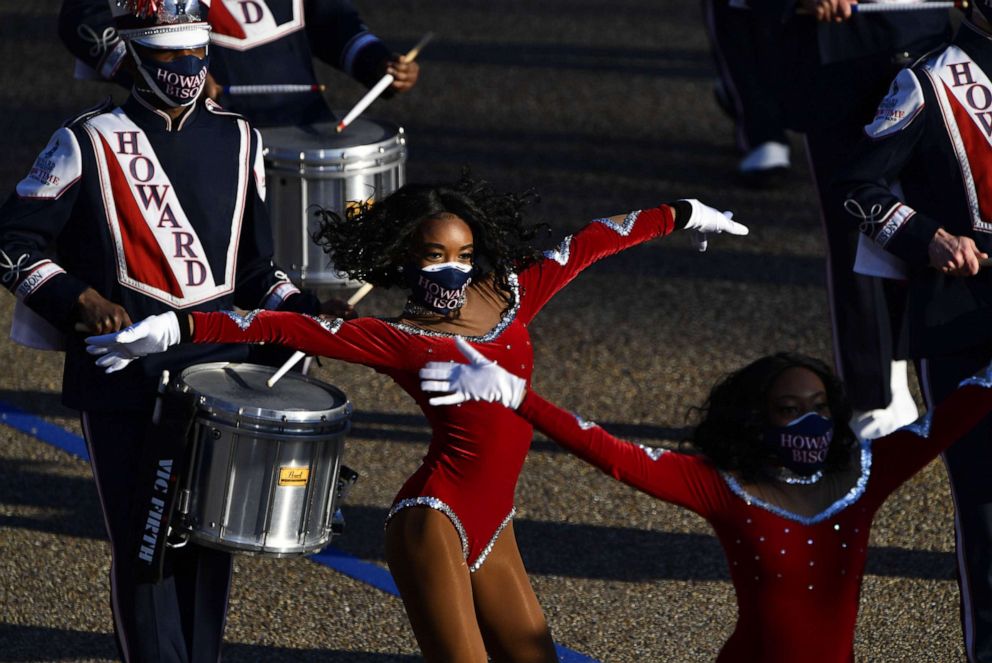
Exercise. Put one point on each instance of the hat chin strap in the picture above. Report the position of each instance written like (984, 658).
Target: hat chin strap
(152, 85)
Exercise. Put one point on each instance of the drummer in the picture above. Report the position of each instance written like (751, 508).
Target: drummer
(256, 42)
(106, 228)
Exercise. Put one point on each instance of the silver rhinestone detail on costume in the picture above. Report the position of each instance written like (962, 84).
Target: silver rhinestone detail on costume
(836, 527)
(748, 521)
(757, 558)
(654, 453)
(330, 326)
(738, 541)
(810, 588)
(582, 423)
(921, 427)
(809, 541)
(477, 564)
(786, 530)
(622, 229)
(243, 321)
(843, 545)
(812, 563)
(508, 317)
(782, 551)
(852, 496)
(983, 379)
(433, 503)
(560, 254)
(430, 351)
(761, 538)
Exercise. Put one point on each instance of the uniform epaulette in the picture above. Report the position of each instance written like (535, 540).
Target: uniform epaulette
(217, 109)
(93, 111)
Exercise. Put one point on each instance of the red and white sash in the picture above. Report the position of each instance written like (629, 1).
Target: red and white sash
(158, 250)
(964, 93)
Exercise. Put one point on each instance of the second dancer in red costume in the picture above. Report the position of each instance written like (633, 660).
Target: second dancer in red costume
(465, 254)
(788, 489)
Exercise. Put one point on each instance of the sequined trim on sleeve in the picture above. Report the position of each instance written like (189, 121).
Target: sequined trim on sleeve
(560, 254)
(508, 316)
(433, 503)
(330, 326)
(477, 564)
(654, 453)
(921, 427)
(242, 321)
(622, 229)
(847, 500)
(583, 424)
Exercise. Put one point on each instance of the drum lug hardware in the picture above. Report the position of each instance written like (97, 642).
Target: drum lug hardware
(215, 433)
(179, 542)
(184, 496)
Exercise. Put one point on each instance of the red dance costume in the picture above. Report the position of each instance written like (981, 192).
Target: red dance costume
(477, 449)
(797, 578)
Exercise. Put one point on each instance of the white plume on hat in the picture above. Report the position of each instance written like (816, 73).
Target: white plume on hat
(162, 24)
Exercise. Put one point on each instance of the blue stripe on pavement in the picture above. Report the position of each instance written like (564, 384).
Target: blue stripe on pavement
(331, 557)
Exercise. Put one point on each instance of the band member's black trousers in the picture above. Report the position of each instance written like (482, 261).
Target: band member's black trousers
(969, 469)
(745, 45)
(182, 617)
(861, 307)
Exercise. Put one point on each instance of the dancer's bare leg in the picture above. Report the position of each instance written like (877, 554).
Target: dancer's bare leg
(424, 554)
(511, 619)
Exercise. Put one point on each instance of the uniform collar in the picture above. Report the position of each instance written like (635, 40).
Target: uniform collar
(150, 118)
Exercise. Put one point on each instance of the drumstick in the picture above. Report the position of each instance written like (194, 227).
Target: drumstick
(234, 90)
(880, 7)
(299, 354)
(381, 86)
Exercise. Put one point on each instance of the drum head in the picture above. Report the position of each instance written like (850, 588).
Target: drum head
(240, 391)
(322, 144)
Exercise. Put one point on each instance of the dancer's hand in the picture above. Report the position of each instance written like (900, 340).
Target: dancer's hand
(154, 334)
(478, 380)
(705, 220)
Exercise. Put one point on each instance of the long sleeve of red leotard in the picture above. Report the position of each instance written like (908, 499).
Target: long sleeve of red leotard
(597, 240)
(365, 341)
(899, 455)
(671, 476)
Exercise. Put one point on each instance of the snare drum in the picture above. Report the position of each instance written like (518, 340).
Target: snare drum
(264, 463)
(314, 165)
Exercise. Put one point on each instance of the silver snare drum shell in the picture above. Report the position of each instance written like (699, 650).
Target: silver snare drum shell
(264, 462)
(313, 165)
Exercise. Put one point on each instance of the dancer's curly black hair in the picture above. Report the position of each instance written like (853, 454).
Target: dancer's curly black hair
(372, 242)
(735, 415)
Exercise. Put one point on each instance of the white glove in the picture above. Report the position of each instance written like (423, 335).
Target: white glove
(153, 334)
(705, 220)
(478, 380)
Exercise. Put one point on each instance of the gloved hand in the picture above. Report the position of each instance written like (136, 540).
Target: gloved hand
(153, 334)
(705, 220)
(478, 380)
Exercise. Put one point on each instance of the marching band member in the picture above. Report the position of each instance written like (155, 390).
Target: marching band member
(931, 133)
(779, 475)
(835, 68)
(257, 42)
(465, 255)
(153, 206)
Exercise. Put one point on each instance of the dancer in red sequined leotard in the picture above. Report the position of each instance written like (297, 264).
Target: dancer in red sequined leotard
(795, 541)
(429, 239)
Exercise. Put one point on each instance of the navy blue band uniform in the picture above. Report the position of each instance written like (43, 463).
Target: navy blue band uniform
(154, 214)
(932, 134)
(254, 42)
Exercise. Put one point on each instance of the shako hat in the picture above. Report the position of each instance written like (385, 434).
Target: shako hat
(162, 24)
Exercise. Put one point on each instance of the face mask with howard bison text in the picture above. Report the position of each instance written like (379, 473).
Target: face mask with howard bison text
(178, 82)
(441, 288)
(803, 443)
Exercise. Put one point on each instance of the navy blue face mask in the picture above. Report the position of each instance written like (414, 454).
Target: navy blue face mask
(803, 443)
(178, 82)
(441, 287)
